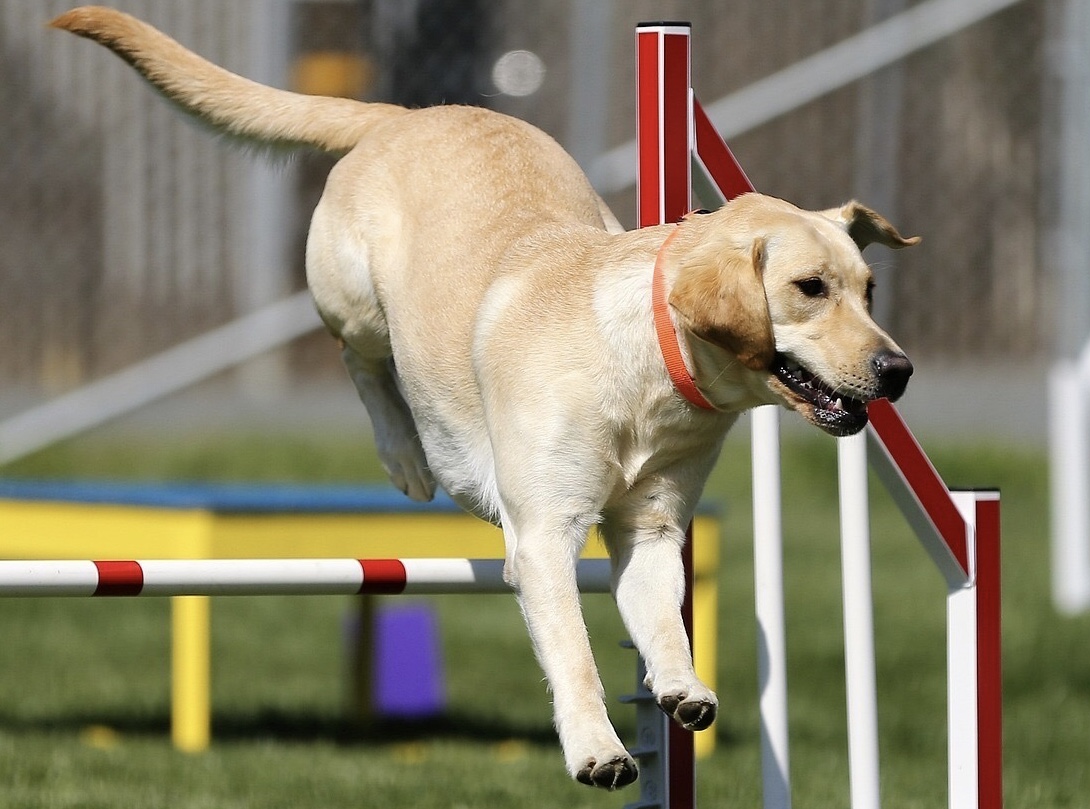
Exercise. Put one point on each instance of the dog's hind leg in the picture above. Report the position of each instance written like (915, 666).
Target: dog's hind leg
(339, 274)
(396, 437)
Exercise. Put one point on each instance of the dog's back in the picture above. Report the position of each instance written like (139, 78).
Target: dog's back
(414, 221)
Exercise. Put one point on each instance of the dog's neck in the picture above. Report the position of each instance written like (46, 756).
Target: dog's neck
(667, 335)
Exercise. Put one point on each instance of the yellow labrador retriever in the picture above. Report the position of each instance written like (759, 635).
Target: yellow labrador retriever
(498, 324)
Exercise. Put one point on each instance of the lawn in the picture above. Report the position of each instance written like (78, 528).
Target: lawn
(84, 685)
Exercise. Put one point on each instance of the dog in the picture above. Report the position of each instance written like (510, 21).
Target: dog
(499, 326)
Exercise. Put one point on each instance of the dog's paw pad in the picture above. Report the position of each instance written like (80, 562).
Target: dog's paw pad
(696, 715)
(618, 772)
(692, 714)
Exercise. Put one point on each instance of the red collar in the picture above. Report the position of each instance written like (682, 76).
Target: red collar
(667, 335)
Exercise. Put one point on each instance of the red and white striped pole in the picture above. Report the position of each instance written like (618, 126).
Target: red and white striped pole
(663, 195)
(664, 123)
(989, 649)
(216, 577)
(961, 532)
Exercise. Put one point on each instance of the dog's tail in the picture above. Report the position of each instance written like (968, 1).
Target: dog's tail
(230, 104)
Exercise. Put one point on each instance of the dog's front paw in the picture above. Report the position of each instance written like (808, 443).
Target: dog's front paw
(684, 699)
(689, 711)
(614, 773)
(692, 705)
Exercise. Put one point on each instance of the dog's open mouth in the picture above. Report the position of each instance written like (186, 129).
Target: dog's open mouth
(836, 413)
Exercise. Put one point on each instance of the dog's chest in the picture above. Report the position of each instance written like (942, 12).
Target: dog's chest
(640, 451)
(674, 451)
(632, 462)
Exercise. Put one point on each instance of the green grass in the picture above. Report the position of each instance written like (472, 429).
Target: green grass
(84, 686)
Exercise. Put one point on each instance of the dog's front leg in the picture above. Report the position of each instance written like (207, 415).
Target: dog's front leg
(649, 586)
(543, 571)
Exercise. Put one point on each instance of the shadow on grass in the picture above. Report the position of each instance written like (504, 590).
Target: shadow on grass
(300, 727)
(307, 727)
(297, 727)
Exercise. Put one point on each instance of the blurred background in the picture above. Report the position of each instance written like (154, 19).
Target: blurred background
(125, 230)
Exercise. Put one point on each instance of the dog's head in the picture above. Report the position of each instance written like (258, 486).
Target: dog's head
(785, 294)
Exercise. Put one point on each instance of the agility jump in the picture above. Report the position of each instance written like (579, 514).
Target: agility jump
(966, 528)
(959, 530)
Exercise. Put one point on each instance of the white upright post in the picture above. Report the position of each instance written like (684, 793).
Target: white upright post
(961, 697)
(1069, 474)
(768, 581)
(858, 623)
(962, 674)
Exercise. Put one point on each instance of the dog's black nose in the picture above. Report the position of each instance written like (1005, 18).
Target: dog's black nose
(893, 370)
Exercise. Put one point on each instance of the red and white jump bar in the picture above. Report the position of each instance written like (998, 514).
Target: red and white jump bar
(221, 577)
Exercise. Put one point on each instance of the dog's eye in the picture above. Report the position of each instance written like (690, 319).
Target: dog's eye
(870, 295)
(811, 287)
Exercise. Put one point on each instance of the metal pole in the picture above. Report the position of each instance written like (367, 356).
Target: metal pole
(266, 238)
(1068, 254)
(588, 101)
(1069, 247)
(877, 144)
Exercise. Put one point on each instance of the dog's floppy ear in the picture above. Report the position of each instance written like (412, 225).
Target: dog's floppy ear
(720, 296)
(867, 227)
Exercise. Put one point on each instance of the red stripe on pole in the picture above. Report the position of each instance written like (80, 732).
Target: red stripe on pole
(648, 189)
(989, 654)
(921, 477)
(717, 158)
(682, 749)
(676, 154)
(123, 578)
(682, 768)
(382, 577)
